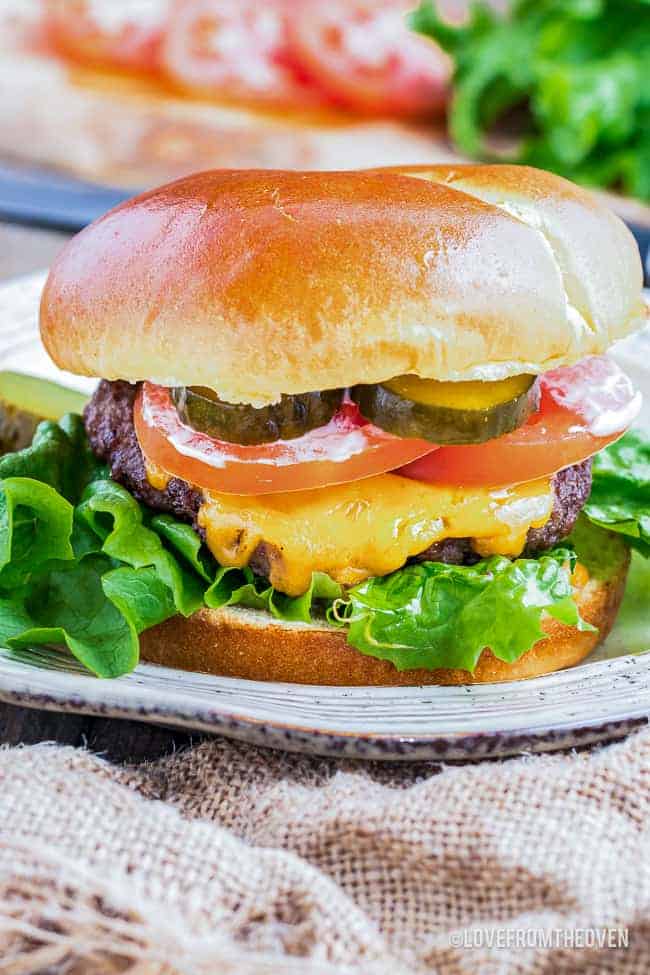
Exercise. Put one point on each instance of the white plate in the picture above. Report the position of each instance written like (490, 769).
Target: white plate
(597, 700)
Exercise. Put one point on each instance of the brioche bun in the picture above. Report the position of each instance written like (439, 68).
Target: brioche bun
(257, 283)
(234, 642)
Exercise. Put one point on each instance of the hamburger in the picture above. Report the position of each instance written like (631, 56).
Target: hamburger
(345, 429)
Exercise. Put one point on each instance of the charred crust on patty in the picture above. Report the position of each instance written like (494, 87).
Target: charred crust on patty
(571, 488)
(109, 424)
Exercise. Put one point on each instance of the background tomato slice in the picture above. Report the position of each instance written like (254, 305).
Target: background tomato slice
(355, 54)
(347, 449)
(365, 57)
(114, 34)
(583, 408)
(234, 50)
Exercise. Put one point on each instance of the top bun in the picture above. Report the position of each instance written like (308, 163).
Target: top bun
(258, 283)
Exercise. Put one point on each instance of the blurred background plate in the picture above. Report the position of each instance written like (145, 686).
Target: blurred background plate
(601, 699)
(44, 198)
(123, 95)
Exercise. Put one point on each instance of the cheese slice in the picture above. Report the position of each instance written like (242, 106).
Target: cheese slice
(367, 528)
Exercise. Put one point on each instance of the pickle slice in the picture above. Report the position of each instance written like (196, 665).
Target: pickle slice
(238, 423)
(449, 413)
(25, 401)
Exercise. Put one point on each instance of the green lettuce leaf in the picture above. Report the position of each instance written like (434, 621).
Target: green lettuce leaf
(187, 544)
(140, 595)
(602, 552)
(574, 72)
(59, 455)
(82, 563)
(66, 604)
(35, 527)
(117, 518)
(434, 615)
(620, 494)
(234, 587)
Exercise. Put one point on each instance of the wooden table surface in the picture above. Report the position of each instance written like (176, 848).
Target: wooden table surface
(23, 250)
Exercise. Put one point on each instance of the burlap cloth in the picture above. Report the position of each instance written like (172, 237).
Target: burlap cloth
(231, 859)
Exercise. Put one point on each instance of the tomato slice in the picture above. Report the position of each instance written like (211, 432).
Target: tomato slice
(348, 448)
(237, 50)
(365, 57)
(120, 33)
(582, 409)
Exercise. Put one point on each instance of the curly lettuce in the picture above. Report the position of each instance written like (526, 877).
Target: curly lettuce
(573, 72)
(85, 565)
(434, 615)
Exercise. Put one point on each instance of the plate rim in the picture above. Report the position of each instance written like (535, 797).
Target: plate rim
(328, 742)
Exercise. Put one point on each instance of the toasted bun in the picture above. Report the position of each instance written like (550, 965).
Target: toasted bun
(236, 642)
(258, 283)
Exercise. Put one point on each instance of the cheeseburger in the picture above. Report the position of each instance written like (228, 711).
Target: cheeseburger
(353, 417)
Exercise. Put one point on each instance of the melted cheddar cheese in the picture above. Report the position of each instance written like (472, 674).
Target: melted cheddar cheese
(157, 477)
(366, 528)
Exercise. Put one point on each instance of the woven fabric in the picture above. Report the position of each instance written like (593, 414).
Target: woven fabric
(232, 859)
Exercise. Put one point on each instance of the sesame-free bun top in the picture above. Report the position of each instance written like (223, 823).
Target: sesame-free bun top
(258, 283)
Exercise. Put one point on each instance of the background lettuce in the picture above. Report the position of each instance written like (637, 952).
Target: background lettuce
(82, 563)
(574, 71)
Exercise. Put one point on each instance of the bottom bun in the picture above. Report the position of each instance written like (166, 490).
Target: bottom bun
(235, 642)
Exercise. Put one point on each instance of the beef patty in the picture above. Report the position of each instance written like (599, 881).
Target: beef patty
(109, 424)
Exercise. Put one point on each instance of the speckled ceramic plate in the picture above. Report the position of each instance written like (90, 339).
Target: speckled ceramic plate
(601, 699)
